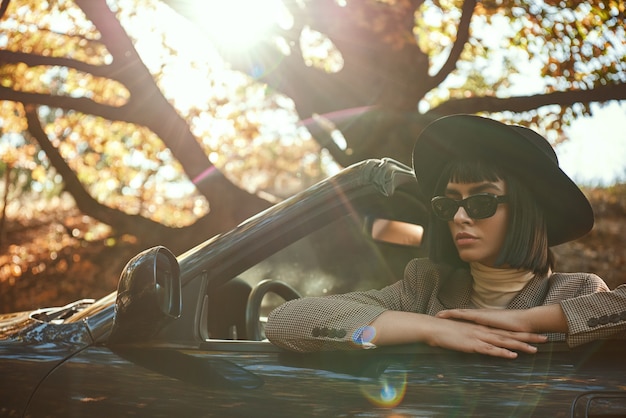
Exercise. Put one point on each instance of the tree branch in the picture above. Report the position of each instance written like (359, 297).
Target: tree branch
(32, 60)
(132, 224)
(3, 7)
(150, 232)
(462, 35)
(525, 103)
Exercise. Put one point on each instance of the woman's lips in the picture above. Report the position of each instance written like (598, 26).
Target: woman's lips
(463, 238)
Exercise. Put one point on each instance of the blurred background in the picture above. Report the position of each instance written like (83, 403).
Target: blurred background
(130, 123)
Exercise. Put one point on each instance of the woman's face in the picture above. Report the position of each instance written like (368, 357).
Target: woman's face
(478, 240)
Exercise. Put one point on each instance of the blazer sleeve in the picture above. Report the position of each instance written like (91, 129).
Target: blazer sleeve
(594, 316)
(336, 322)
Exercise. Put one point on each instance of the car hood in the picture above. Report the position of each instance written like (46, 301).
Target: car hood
(13, 323)
(19, 325)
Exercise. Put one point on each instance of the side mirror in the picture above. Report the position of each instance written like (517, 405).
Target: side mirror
(148, 294)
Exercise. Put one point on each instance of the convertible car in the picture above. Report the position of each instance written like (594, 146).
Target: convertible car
(183, 336)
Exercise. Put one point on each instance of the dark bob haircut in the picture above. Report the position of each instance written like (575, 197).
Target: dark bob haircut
(526, 243)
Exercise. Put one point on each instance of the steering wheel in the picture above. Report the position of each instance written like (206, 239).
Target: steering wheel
(253, 307)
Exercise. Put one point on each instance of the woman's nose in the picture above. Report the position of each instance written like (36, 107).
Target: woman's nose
(461, 216)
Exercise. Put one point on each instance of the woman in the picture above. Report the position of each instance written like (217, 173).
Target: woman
(499, 200)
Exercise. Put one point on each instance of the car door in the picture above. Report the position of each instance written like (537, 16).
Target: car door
(233, 378)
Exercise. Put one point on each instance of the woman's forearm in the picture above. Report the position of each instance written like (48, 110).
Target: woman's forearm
(540, 319)
(396, 327)
(547, 318)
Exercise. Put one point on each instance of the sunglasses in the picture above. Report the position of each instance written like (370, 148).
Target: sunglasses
(478, 206)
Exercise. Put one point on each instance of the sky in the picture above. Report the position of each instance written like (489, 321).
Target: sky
(595, 155)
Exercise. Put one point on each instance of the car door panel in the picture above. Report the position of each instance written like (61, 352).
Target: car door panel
(225, 378)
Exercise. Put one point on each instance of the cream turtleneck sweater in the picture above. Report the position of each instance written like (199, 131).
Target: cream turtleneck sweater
(495, 288)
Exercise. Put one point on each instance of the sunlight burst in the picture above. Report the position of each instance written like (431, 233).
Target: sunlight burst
(241, 23)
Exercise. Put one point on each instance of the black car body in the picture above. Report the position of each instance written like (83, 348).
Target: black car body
(181, 336)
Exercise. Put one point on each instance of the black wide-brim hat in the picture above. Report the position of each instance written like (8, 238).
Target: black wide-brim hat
(521, 151)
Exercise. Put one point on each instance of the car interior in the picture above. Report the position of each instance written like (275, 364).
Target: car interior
(366, 248)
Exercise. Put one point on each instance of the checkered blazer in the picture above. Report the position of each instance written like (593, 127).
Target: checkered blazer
(333, 322)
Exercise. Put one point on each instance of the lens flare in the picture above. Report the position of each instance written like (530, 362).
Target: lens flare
(363, 337)
(386, 391)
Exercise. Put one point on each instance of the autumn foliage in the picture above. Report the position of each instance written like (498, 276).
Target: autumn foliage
(117, 134)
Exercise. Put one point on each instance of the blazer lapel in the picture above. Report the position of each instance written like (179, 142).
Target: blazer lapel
(533, 294)
(456, 290)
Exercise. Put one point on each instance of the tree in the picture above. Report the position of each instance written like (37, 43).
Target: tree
(364, 68)
(136, 100)
(79, 102)
(403, 63)
(81, 111)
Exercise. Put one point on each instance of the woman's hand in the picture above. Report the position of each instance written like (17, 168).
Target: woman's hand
(474, 338)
